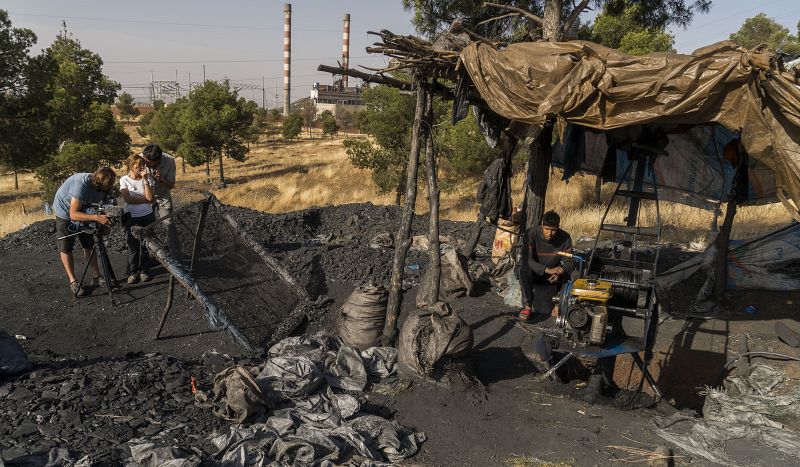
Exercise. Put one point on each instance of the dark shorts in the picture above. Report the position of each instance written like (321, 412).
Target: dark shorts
(66, 227)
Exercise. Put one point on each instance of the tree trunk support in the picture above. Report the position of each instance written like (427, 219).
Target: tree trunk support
(402, 237)
(724, 236)
(540, 156)
(433, 203)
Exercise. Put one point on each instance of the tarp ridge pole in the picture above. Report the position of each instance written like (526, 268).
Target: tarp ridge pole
(402, 238)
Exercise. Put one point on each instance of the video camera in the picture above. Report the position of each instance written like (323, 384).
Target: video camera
(108, 207)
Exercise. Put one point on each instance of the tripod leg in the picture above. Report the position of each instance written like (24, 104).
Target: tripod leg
(105, 264)
(86, 268)
(170, 292)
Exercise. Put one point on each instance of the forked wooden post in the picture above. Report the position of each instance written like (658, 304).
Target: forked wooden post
(433, 202)
(402, 238)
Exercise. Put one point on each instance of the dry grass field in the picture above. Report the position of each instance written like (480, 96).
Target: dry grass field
(280, 176)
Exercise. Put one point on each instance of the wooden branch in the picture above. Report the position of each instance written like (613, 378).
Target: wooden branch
(433, 203)
(574, 15)
(497, 18)
(402, 237)
(522, 12)
(369, 77)
(217, 319)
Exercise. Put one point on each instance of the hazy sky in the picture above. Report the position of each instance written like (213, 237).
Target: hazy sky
(243, 39)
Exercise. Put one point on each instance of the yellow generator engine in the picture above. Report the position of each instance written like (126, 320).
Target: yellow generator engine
(583, 310)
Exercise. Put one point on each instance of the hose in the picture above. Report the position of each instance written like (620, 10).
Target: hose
(774, 355)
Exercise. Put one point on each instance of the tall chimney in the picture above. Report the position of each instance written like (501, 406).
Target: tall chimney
(346, 47)
(287, 57)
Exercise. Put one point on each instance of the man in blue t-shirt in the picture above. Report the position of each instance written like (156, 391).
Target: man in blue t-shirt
(72, 198)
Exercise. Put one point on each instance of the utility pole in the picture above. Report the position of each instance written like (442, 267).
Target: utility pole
(204, 74)
(190, 82)
(263, 95)
(152, 89)
(177, 86)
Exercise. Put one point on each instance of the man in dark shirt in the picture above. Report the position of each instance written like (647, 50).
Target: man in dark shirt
(543, 271)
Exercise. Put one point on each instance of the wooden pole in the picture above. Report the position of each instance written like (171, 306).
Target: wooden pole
(167, 306)
(216, 318)
(198, 238)
(723, 238)
(541, 154)
(433, 203)
(402, 238)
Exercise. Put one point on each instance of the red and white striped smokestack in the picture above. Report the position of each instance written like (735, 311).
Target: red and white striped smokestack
(346, 47)
(287, 58)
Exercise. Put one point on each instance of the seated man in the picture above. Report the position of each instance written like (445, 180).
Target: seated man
(72, 198)
(542, 270)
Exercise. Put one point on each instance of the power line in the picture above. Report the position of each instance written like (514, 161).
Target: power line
(167, 23)
(222, 61)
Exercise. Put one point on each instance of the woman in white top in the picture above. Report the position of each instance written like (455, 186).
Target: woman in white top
(137, 191)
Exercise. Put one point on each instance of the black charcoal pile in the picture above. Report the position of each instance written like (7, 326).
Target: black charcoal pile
(342, 244)
(93, 407)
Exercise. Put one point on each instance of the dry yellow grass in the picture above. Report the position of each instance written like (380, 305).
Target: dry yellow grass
(280, 176)
(18, 212)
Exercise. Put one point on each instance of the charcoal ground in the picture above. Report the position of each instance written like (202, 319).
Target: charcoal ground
(101, 379)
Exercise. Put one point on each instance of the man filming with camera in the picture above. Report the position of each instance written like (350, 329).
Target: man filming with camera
(161, 167)
(73, 197)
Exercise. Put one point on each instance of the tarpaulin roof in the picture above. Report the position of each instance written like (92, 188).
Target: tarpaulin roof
(594, 86)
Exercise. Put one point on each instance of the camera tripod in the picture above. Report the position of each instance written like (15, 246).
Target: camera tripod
(104, 263)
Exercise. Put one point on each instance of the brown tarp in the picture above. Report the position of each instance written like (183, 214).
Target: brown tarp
(591, 85)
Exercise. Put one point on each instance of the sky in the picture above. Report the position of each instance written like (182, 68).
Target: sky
(242, 40)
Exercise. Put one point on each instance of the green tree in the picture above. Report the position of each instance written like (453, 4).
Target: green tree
(14, 46)
(214, 122)
(161, 126)
(158, 104)
(465, 148)
(292, 126)
(762, 29)
(626, 32)
(25, 90)
(329, 125)
(81, 118)
(388, 117)
(259, 124)
(125, 106)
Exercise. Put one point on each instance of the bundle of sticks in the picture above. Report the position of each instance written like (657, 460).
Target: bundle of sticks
(435, 59)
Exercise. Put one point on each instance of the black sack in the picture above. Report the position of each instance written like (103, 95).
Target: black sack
(13, 360)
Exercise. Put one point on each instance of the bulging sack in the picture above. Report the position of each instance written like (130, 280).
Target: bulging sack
(428, 335)
(12, 358)
(363, 316)
(504, 239)
(454, 281)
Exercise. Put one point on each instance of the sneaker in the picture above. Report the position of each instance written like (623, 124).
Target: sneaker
(144, 277)
(76, 289)
(525, 313)
(99, 281)
(133, 278)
